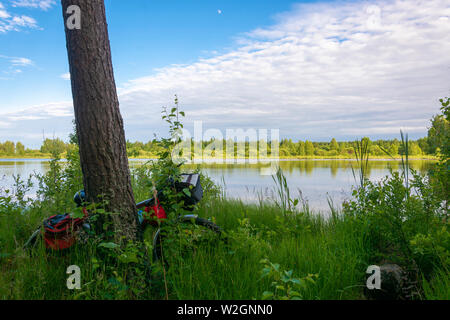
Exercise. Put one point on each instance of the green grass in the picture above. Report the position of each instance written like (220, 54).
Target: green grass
(304, 243)
(438, 288)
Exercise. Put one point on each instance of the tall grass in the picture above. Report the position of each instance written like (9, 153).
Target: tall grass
(438, 287)
(306, 244)
(405, 158)
(301, 242)
(283, 200)
(361, 149)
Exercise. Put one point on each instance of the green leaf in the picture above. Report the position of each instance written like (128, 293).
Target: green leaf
(78, 213)
(294, 293)
(267, 295)
(288, 273)
(310, 280)
(128, 258)
(108, 245)
(187, 192)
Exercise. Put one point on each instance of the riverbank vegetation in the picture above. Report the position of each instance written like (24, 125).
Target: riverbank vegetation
(275, 249)
(424, 148)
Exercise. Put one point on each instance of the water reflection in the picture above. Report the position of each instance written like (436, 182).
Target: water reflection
(317, 179)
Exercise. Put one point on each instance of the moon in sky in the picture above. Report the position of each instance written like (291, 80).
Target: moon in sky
(219, 11)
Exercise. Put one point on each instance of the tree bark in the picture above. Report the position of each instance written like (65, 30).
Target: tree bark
(99, 124)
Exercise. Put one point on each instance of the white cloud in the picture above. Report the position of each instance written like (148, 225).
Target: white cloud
(382, 130)
(41, 4)
(28, 124)
(358, 61)
(4, 124)
(14, 62)
(14, 22)
(21, 62)
(46, 111)
(3, 13)
(65, 76)
(24, 21)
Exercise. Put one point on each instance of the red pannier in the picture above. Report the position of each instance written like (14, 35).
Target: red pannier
(154, 213)
(60, 230)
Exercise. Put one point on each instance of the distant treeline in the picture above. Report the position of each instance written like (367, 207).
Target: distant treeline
(287, 148)
(49, 147)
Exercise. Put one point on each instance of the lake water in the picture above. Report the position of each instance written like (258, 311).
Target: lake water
(317, 179)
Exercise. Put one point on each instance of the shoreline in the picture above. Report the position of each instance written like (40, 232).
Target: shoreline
(211, 160)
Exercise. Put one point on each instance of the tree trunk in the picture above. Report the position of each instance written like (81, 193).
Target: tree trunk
(99, 124)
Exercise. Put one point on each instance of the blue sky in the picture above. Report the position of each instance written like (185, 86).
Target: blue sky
(144, 35)
(313, 69)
